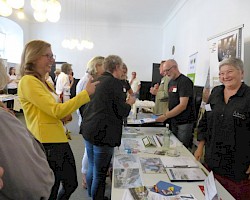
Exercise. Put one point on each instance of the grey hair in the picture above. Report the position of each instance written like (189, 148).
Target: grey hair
(3, 75)
(93, 63)
(173, 62)
(111, 62)
(235, 62)
(66, 67)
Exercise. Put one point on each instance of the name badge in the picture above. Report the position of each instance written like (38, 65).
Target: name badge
(208, 107)
(174, 90)
(124, 90)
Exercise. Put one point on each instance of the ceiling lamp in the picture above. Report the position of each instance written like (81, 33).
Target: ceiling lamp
(20, 13)
(39, 5)
(40, 16)
(5, 9)
(54, 6)
(46, 10)
(16, 4)
(53, 16)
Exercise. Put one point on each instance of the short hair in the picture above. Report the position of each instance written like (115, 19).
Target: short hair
(31, 52)
(66, 67)
(111, 62)
(3, 75)
(235, 62)
(93, 63)
(173, 62)
(57, 71)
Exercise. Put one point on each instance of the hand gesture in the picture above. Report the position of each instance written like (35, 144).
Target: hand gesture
(161, 118)
(131, 100)
(90, 87)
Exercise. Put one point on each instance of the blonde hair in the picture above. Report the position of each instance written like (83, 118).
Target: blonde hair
(3, 75)
(93, 63)
(32, 51)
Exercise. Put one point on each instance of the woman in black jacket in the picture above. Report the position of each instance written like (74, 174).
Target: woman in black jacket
(102, 125)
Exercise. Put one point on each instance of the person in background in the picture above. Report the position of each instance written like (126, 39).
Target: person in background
(49, 79)
(124, 78)
(161, 93)
(56, 72)
(64, 82)
(94, 70)
(102, 124)
(27, 174)
(44, 114)
(73, 83)
(225, 131)
(180, 103)
(12, 85)
(135, 84)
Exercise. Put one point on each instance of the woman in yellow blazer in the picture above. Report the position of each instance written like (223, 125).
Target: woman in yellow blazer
(43, 113)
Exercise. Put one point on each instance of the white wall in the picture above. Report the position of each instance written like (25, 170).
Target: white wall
(13, 44)
(138, 46)
(198, 20)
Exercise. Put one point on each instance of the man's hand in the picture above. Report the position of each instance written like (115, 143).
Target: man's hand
(161, 118)
(131, 100)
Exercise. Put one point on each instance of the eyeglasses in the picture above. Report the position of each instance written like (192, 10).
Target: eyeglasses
(167, 70)
(50, 56)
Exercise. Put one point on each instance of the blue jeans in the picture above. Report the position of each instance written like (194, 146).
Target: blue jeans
(99, 158)
(183, 132)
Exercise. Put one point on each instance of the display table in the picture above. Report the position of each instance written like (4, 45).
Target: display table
(8, 97)
(133, 136)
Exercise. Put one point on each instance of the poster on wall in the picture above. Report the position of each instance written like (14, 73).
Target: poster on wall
(221, 46)
(192, 66)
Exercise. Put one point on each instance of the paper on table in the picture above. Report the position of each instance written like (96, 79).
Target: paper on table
(152, 165)
(126, 161)
(135, 145)
(127, 178)
(210, 188)
(156, 196)
(182, 161)
(185, 174)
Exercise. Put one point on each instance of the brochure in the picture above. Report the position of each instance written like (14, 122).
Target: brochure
(185, 174)
(127, 178)
(152, 165)
(166, 189)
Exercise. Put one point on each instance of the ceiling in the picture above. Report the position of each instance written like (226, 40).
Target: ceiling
(140, 12)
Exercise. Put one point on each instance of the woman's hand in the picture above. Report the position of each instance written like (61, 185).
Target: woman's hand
(90, 87)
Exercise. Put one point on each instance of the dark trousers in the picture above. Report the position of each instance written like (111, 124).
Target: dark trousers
(10, 103)
(62, 162)
(240, 190)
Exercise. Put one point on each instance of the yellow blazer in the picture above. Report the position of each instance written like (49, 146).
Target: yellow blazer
(42, 112)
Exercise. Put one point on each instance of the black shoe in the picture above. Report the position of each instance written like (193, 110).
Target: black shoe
(105, 198)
